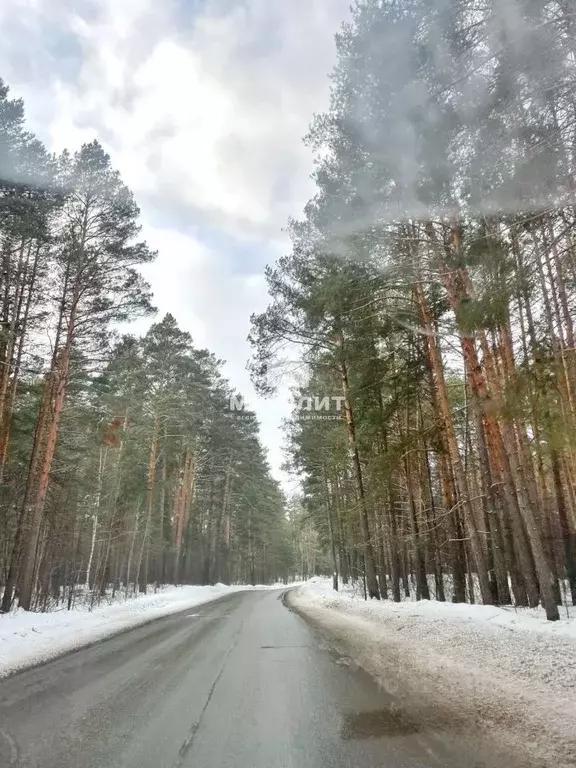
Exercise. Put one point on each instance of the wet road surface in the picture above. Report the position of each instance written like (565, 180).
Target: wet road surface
(238, 683)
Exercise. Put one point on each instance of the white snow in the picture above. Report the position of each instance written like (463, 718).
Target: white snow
(490, 665)
(350, 597)
(31, 638)
(518, 643)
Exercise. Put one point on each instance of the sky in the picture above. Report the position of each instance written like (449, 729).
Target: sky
(202, 105)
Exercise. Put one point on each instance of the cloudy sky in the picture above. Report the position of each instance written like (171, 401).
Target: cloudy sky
(202, 105)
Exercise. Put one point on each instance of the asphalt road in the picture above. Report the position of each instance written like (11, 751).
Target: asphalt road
(238, 683)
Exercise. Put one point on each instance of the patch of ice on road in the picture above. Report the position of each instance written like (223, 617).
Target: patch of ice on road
(28, 638)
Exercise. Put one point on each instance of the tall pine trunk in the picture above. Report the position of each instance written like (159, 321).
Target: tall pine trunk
(369, 560)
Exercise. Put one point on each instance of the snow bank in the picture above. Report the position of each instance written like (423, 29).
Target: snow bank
(32, 638)
(507, 669)
(514, 619)
(516, 642)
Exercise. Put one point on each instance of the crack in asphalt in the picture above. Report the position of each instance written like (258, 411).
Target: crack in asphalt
(12, 746)
(189, 740)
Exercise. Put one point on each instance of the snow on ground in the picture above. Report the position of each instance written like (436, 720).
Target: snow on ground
(351, 596)
(31, 638)
(506, 669)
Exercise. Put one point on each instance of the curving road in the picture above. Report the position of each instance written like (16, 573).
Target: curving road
(241, 682)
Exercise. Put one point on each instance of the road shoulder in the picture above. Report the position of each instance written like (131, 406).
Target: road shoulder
(431, 666)
(28, 639)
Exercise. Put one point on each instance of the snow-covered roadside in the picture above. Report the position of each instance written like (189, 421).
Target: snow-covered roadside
(28, 638)
(505, 670)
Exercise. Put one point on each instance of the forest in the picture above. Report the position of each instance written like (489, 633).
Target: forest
(121, 462)
(428, 290)
(431, 283)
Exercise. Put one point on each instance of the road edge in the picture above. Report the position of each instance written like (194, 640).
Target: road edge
(89, 643)
(511, 721)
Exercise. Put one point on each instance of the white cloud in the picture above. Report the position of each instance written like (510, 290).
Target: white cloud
(210, 115)
(203, 115)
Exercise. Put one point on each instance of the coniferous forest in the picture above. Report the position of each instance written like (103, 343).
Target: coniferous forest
(432, 284)
(121, 463)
